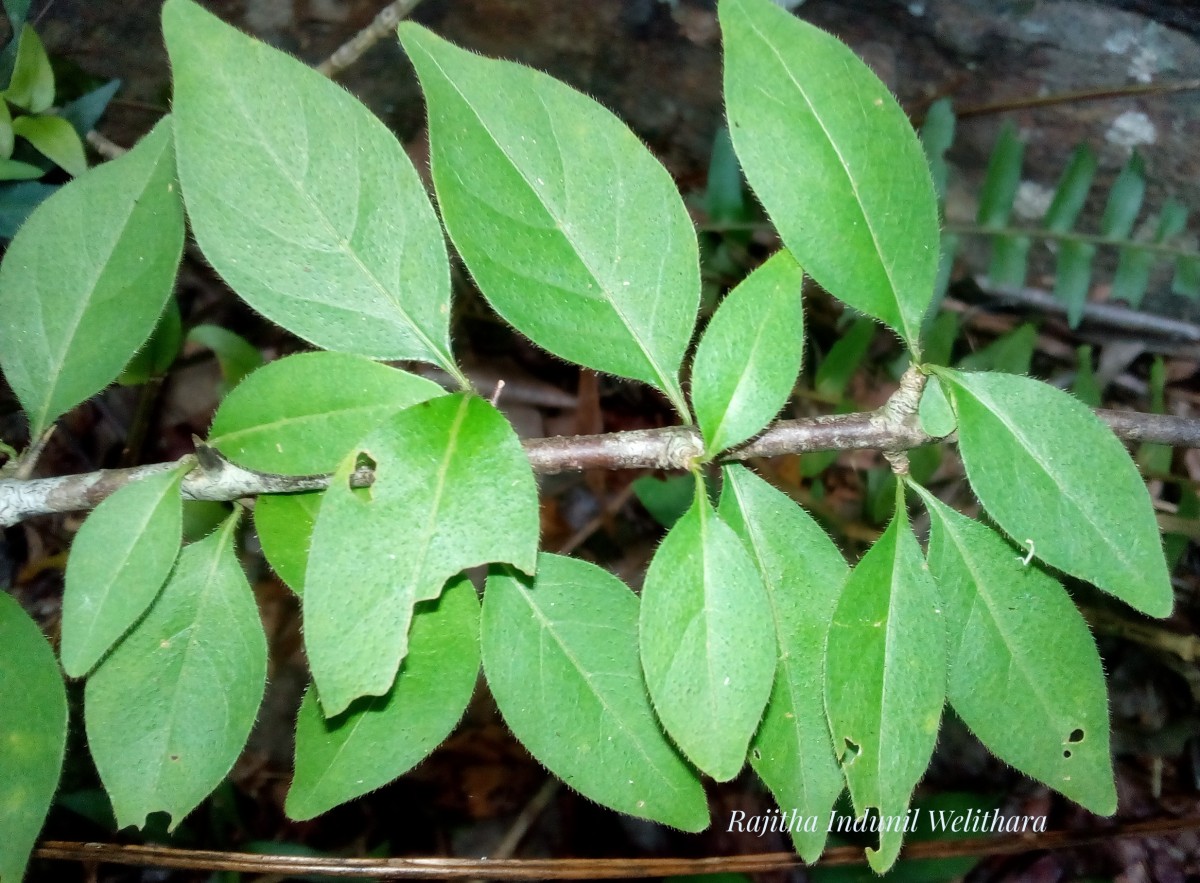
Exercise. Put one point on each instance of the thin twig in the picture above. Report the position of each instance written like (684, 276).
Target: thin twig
(675, 447)
(580, 869)
(383, 25)
(104, 147)
(1165, 249)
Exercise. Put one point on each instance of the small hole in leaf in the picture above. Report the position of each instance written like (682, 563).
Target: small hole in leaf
(1067, 753)
(851, 752)
(1076, 736)
(174, 757)
(756, 754)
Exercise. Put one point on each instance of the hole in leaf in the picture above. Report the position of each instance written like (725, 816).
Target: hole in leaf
(1076, 736)
(364, 474)
(756, 754)
(851, 753)
(1067, 753)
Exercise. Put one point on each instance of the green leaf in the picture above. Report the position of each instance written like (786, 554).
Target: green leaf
(704, 613)
(169, 710)
(844, 357)
(936, 415)
(803, 572)
(1172, 221)
(303, 413)
(6, 131)
(1132, 277)
(749, 357)
(17, 12)
(330, 233)
(520, 163)
(17, 202)
(158, 355)
(86, 277)
(1024, 672)
(1153, 457)
(284, 523)
(381, 738)
(1125, 199)
(834, 161)
(236, 356)
(119, 561)
(885, 678)
(725, 193)
(1186, 281)
(937, 134)
(33, 731)
(32, 85)
(1051, 474)
(1084, 387)
(939, 339)
(85, 111)
(1011, 352)
(1009, 253)
(55, 139)
(1073, 277)
(561, 656)
(666, 499)
(452, 490)
(14, 170)
(1072, 191)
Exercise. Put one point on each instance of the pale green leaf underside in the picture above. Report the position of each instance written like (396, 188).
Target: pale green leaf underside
(284, 524)
(1050, 473)
(380, 738)
(120, 559)
(33, 733)
(86, 277)
(560, 653)
(749, 357)
(885, 678)
(453, 489)
(804, 572)
(302, 200)
(522, 165)
(303, 413)
(834, 161)
(934, 411)
(1025, 675)
(169, 710)
(704, 614)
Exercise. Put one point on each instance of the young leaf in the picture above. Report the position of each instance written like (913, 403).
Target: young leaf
(834, 160)
(1024, 672)
(937, 417)
(381, 738)
(86, 277)
(1052, 475)
(804, 572)
(169, 710)
(572, 632)
(284, 524)
(453, 489)
(302, 200)
(520, 162)
(885, 678)
(303, 413)
(32, 84)
(749, 357)
(54, 138)
(236, 356)
(120, 559)
(704, 616)
(33, 731)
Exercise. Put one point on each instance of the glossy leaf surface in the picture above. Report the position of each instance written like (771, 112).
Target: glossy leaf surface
(169, 710)
(33, 731)
(380, 738)
(452, 490)
(1051, 474)
(86, 277)
(571, 631)
(1024, 672)
(749, 357)
(520, 163)
(885, 678)
(119, 561)
(803, 572)
(704, 614)
(303, 413)
(834, 160)
(301, 199)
